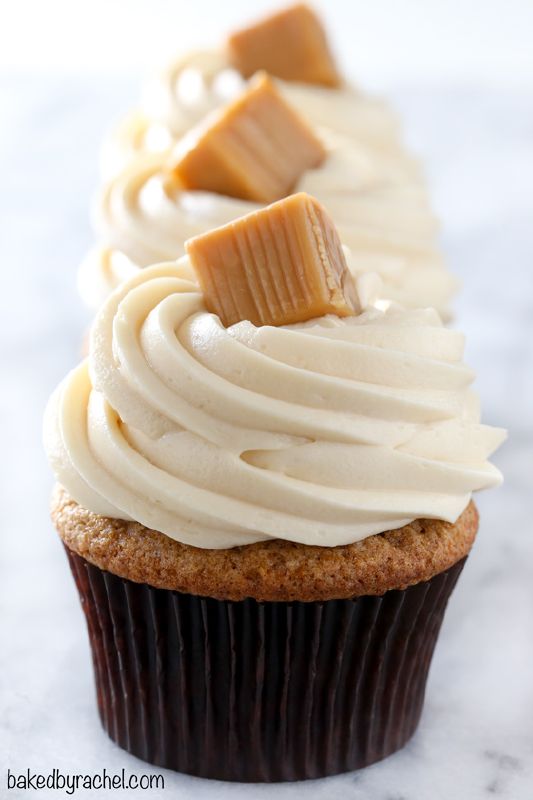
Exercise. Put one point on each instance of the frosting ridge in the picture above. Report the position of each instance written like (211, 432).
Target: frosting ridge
(379, 206)
(323, 432)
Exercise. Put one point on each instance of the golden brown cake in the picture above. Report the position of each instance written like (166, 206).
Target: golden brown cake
(268, 571)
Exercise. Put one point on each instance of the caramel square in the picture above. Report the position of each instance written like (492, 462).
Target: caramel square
(256, 149)
(277, 266)
(290, 44)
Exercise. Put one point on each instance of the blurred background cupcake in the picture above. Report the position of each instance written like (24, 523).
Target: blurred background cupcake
(374, 190)
(289, 44)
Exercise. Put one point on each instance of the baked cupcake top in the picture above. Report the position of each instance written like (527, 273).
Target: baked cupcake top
(271, 571)
(322, 432)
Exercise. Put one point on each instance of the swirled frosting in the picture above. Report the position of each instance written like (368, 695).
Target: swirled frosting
(323, 433)
(181, 95)
(378, 203)
(100, 272)
(373, 190)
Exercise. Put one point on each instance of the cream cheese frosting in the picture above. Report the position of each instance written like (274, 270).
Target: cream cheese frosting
(374, 191)
(323, 433)
(181, 95)
(378, 203)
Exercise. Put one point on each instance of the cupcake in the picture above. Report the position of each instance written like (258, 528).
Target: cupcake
(377, 200)
(195, 83)
(265, 518)
(374, 190)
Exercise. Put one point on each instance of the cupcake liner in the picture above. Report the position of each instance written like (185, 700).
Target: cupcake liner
(250, 691)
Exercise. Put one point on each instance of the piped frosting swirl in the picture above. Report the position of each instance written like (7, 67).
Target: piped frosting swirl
(179, 96)
(378, 203)
(323, 433)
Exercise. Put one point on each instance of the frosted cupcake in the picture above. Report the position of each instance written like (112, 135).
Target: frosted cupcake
(378, 202)
(292, 47)
(265, 521)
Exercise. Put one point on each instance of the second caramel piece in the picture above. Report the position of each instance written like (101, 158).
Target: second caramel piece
(255, 149)
(290, 44)
(277, 266)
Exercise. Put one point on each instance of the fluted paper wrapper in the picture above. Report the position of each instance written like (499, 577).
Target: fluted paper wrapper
(249, 691)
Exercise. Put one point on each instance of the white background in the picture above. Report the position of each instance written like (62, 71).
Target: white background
(488, 41)
(461, 75)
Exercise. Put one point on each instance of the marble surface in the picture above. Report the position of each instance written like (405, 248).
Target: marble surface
(476, 736)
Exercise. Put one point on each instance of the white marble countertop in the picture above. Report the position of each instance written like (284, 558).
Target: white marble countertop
(476, 736)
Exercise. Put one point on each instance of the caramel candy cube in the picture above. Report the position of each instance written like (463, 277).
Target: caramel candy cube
(291, 45)
(277, 266)
(256, 149)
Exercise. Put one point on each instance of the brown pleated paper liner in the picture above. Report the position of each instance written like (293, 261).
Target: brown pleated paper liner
(249, 691)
